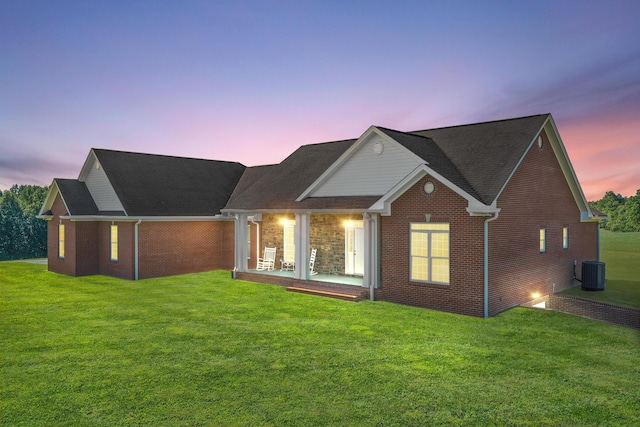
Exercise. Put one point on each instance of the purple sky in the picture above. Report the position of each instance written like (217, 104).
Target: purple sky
(252, 81)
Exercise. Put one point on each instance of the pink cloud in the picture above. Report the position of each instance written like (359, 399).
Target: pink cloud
(604, 152)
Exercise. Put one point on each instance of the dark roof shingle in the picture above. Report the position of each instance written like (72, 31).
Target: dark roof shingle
(76, 197)
(478, 158)
(154, 185)
(278, 186)
(487, 153)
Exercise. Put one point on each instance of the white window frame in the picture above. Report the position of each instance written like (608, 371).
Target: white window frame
(61, 238)
(113, 242)
(565, 237)
(543, 240)
(439, 228)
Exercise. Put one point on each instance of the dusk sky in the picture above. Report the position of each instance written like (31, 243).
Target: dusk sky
(251, 81)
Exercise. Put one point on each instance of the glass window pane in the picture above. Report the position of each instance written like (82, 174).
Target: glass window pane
(420, 269)
(289, 243)
(440, 270)
(61, 240)
(440, 244)
(429, 226)
(114, 242)
(419, 244)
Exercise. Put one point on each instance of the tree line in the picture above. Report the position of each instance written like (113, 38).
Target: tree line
(623, 212)
(22, 235)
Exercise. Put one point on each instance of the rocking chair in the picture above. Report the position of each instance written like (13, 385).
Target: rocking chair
(312, 261)
(268, 261)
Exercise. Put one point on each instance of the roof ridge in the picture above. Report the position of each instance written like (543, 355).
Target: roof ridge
(165, 156)
(479, 123)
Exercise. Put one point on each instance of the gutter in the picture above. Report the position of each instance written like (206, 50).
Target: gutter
(486, 263)
(121, 218)
(136, 244)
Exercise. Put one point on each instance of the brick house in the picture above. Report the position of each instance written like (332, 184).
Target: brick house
(470, 219)
(137, 216)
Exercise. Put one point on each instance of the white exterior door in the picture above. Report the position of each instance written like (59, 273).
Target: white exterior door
(354, 248)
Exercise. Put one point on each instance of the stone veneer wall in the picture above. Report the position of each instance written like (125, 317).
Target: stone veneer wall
(326, 235)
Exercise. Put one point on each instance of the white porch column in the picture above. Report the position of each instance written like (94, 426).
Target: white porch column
(371, 278)
(301, 239)
(240, 243)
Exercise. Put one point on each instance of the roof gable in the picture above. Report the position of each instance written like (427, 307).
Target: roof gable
(154, 185)
(75, 197)
(487, 154)
(371, 166)
(98, 184)
(277, 186)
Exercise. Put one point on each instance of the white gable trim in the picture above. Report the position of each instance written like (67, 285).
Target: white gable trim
(50, 199)
(331, 170)
(99, 186)
(569, 173)
(474, 207)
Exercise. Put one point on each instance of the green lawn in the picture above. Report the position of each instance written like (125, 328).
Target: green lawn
(621, 253)
(202, 349)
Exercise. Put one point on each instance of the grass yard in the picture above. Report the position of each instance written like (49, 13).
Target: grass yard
(621, 253)
(202, 349)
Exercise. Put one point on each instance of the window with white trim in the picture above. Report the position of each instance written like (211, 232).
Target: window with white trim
(543, 240)
(60, 240)
(565, 237)
(114, 242)
(429, 252)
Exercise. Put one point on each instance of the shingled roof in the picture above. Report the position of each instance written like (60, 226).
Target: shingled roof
(154, 185)
(76, 197)
(487, 153)
(478, 158)
(276, 187)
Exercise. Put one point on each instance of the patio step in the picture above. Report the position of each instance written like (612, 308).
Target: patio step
(331, 294)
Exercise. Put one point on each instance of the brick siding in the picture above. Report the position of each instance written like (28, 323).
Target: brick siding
(66, 265)
(166, 248)
(537, 196)
(170, 248)
(619, 315)
(464, 294)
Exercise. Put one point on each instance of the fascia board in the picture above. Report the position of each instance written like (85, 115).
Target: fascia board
(383, 205)
(347, 154)
(122, 218)
(567, 168)
(88, 164)
(291, 211)
(51, 198)
(86, 168)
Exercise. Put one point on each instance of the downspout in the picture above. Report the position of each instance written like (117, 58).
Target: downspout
(598, 241)
(486, 263)
(136, 243)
